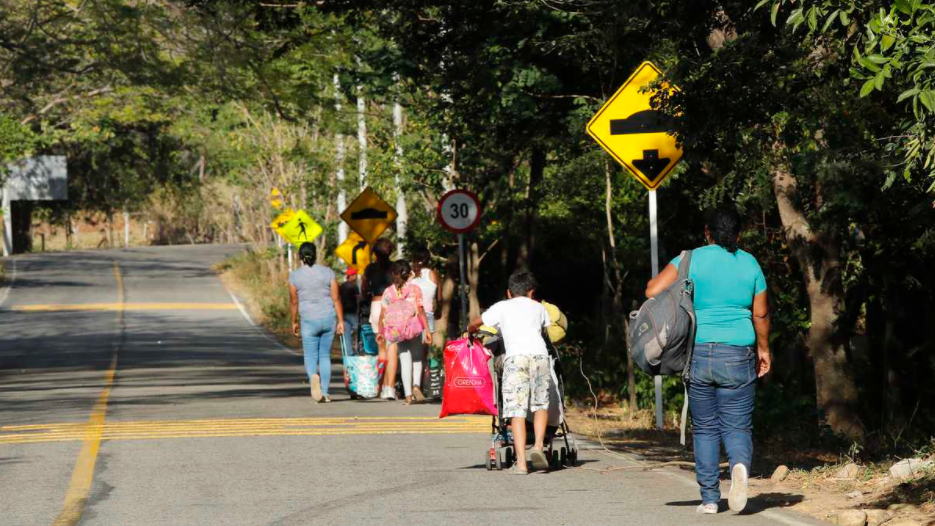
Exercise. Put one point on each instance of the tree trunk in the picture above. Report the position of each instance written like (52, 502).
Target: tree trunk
(474, 259)
(818, 257)
(448, 299)
(402, 219)
(617, 287)
(110, 229)
(528, 245)
(69, 233)
(362, 135)
(339, 155)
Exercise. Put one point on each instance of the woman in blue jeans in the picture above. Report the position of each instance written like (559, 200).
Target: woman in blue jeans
(731, 352)
(313, 295)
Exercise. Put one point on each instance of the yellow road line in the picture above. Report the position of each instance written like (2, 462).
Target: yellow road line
(153, 430)
(83, 475)
(67, 307)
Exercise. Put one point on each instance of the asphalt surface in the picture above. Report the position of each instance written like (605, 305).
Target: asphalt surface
(134, 392)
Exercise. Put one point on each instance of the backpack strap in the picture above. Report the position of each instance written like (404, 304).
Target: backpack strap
(684, 274)
(685, 264)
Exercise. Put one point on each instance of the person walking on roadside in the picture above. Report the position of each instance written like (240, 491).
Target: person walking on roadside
(732, 314)
(429, 283)
(350, 299)
(313, 296)
(376, 279)
(526, 380)
(403, 326)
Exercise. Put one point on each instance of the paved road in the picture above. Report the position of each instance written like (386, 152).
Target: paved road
(134, 392)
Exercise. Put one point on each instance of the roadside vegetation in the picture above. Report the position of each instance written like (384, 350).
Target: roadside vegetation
(814, 117)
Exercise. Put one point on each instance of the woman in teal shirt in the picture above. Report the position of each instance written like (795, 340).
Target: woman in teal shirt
(733, 317)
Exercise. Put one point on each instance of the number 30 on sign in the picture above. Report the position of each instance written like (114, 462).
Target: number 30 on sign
(459, 211)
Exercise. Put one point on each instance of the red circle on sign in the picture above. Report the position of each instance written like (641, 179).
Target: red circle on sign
(439, 212)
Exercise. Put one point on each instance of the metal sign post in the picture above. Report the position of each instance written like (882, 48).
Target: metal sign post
(654, 254)
(462, 264)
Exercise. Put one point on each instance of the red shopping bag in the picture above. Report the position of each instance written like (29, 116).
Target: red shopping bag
(468, 386)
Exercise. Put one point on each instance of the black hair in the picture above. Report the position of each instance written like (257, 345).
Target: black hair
(422, 257)
(723, 225)
(521, 282)
(383, 249)
(308, 253)
(399, 272)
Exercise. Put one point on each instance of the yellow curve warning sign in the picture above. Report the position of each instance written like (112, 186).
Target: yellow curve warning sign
(634, 133)
(354, 251)
(296, 227)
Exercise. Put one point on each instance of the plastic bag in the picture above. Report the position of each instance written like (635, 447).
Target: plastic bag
(361, 372)
(364, 376)
(469, 389)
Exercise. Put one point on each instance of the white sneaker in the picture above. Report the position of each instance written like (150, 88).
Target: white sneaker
(737, 498)
(708, 509)
(389, 393)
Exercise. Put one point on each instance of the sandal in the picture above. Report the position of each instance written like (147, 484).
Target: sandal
(538, 459)
(417, 394)
(515, 470)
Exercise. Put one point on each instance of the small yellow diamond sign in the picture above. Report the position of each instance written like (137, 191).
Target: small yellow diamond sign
(275, 198)
(355, 252)
(634, 133)
(369, 215)
(297, 228)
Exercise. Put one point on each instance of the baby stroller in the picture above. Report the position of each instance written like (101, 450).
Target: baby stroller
(560, 445)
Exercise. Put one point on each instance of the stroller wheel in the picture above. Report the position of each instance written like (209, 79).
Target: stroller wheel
(489, 465)
(573, 458)
(508, 457)
(563, 457)
(554, 460)
(499, 463)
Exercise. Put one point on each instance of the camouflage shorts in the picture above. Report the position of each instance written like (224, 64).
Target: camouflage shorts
(526, 381)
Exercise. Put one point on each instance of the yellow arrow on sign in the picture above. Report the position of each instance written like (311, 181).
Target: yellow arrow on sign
(634, 133)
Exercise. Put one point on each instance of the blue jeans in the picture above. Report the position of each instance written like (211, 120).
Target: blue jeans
(720, 395)
(351, 323)
(317, 337)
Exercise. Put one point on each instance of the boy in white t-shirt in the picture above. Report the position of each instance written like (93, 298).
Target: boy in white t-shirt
(526, 376)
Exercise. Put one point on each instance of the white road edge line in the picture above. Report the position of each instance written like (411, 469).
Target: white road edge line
(6, 290)
(259, 329)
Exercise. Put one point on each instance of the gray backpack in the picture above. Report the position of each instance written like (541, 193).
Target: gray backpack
(662, 333)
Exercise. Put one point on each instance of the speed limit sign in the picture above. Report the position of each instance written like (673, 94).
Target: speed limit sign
(459, 211)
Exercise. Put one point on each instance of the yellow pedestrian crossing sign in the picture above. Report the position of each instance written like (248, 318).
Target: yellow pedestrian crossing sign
(634, 133)
(369, 215)
(355, 252)
(297, 227)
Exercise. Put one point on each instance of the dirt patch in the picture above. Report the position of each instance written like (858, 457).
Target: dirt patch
(812, 486)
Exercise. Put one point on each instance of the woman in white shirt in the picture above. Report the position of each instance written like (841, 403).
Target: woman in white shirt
(428, 281)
